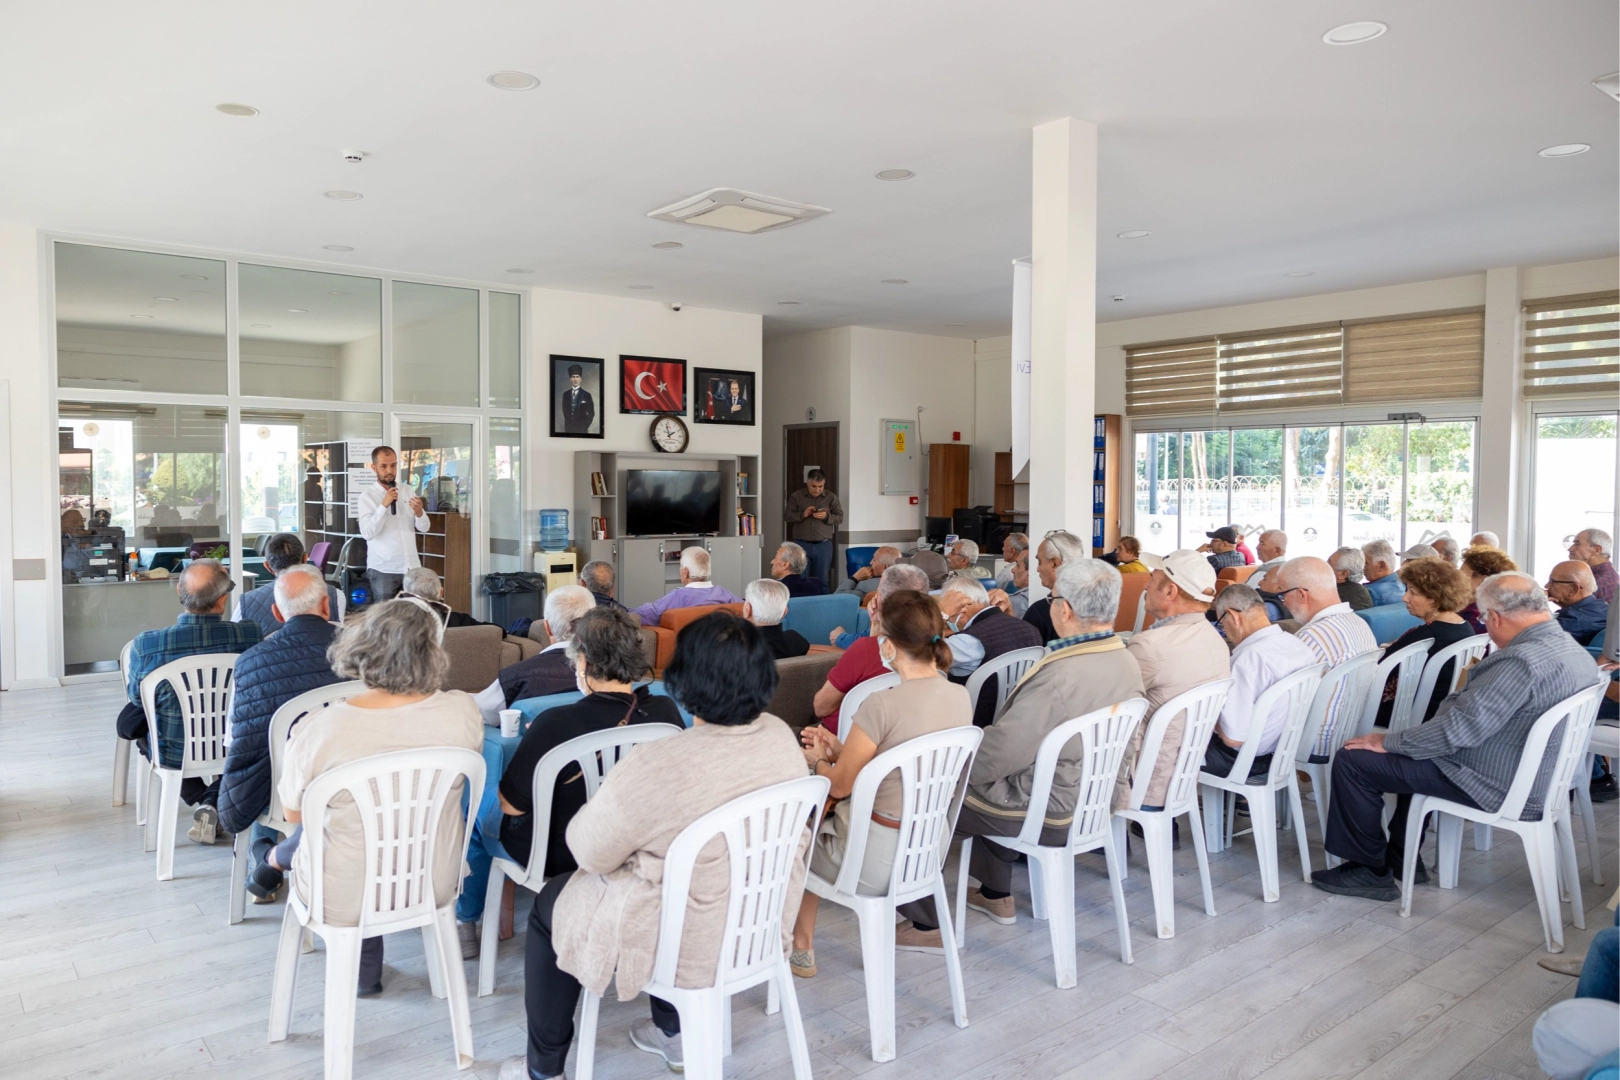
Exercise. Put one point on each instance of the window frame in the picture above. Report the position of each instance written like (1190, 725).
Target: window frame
(1551, 405)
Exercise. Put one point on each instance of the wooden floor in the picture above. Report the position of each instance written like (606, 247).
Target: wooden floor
(105, 971)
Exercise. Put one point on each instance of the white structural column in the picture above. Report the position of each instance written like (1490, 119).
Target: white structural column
(1501, 414)
(1063, 329)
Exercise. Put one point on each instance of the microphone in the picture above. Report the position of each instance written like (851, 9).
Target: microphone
(393, 507)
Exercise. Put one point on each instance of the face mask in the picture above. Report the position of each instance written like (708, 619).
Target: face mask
(888, 660)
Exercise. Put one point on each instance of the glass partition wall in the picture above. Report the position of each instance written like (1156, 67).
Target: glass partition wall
(1325, 484)
(206, 404)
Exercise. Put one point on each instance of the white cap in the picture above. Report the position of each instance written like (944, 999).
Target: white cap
(1192, 574)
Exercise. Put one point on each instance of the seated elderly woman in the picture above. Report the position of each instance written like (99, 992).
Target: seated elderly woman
(599, 926)
(1435, 593)
(1478, 563)
(425, 585)
(912, 644)
(604, 651)
(765, 604)
(394, 649)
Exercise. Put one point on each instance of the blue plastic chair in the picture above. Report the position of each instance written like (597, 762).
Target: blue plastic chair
(1389, 621)
(857, 557)
(656, 688)
(816, 616)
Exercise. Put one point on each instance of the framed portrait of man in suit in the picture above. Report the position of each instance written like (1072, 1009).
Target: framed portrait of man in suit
(723, 397)
(576, 397)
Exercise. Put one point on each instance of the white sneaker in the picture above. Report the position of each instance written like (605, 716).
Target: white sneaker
(204, 825)
(646, 1035)
(518, 1069)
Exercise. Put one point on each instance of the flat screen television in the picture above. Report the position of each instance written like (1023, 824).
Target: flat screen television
(669, 502)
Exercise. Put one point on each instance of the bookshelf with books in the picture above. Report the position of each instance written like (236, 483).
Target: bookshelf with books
(1106, 435)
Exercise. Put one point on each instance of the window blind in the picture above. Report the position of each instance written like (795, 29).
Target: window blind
(1170, 379)
(1427, 358)
(1572, 345)
(1276, 369)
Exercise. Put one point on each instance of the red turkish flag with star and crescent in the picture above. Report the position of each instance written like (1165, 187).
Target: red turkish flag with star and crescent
(651, 386)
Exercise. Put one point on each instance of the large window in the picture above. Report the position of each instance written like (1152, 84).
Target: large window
(1574, 483)
(1325, 485)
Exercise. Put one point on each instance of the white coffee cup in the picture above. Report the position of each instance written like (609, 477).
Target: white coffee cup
(511, 719)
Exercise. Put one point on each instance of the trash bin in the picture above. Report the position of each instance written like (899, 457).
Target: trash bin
(513, 596)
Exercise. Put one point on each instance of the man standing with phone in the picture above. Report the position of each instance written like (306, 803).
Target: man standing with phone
(813, 516)
(390, 529)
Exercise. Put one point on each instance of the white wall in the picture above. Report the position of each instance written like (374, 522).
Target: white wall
(992, 413)
(803, 371)
(583, 324)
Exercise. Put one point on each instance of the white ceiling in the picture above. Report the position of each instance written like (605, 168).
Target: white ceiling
(1245, 145)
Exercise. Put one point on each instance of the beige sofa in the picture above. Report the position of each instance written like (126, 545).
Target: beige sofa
(478, 653)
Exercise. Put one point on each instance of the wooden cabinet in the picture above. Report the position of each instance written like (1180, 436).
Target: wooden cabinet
(948, 478)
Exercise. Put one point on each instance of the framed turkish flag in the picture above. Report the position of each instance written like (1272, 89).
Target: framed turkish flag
(648, 384)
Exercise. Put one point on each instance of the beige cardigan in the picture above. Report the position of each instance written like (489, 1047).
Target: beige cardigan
(606, 919)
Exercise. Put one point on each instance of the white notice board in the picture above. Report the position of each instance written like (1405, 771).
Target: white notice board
(359, 479)
(897, 449)
(360, 450)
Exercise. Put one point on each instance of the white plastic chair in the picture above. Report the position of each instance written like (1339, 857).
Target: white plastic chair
(1407, 668)
(763, 832)
(1464, 653)
(859, 693)
(1202, 706)
(1549, 844)
(1011, 667)
(1104, 736)
(1297, 692)
(121, 747)
(1141, 613)
(931, 769)
(291, 711)
(1355, 679)
(400, 798)
(593, 754)
(202, 684)
(1604, 741)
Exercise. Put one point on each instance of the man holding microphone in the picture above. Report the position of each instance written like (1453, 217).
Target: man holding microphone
(390, 530)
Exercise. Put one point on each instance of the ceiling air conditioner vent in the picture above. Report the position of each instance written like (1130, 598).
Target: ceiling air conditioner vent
(737, 211)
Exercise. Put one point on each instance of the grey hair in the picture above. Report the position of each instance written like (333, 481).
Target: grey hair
(968, 550)
(1019, 542)
(1281, 538)
(1067, 546)
(420, 581)
(1599, 539)
(610, 641)
(695, 561)
(1511, 592)
(901, 576)
(794, 556)
(967, 585)
(1449, 550)
(1091, 589)
(393, 646)
(885, 557)
(768, 599)
(597, 576)
(299, 590)
(1236, 597)
(1486, 537)
(1420, 551)
(1379, 551)
(202, 585)
(565, 606)
(1353, 561)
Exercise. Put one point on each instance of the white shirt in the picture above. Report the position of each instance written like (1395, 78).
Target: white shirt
(390, 537)
(1258, 662)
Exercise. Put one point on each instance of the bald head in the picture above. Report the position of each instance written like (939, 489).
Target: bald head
(883, 558)
(1309, 585)
(300, 590)
(203, 587)
(1570, 582)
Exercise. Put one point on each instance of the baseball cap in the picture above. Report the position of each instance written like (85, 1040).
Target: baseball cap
(1192, 574)
(1225, 532)
(931, 563)
(1419, 551)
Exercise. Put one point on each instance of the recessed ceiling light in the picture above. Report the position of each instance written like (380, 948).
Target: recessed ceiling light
(1565, 150)
(143, 316)
(641, 286)
(193, 277)
(668, 245)
(337, 292)
(1354, 33)
(231, 108)
(893, 281)
(1118, 299)
(337, 247)
(518, 270)
(737, 211)
(167, 299)
(513, 80)
(261, 326)
(895, 174)
(297, 311)
(344, 196)
(1134, 234)
(1299, 273)
(787, 303)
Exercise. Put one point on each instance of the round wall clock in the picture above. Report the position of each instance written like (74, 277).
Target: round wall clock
(669, 434)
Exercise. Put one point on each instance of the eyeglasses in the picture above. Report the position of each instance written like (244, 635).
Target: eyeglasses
(1561, 581)
(1285, 592)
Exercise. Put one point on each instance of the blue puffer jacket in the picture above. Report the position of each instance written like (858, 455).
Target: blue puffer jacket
(278, 669)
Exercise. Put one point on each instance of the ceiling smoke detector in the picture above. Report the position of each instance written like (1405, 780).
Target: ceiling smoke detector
(738, 211)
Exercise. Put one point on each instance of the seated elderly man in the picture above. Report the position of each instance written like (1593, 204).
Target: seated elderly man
(1084, 669)
(934, 565)
(1179, 651)
(861, 660)
(1380, 566)
(791, 567)
(425, 585)
(1262, 655)
(1348, 565)
(981, 632)
(964, 556)
(1013, 598)
(1582, 614)
(1331, 630)
(765, 604)
(548, 671)
(1468, 752)
(1485, 539)
(1272, 549)
(1448, 549)
(1595, 548)
(865, 580)
(281, 551)
(696, 590)
(1050, 556)
(1222, 549)
(272, 673)
(597, 577)
(1419, 551)
(203, 588)
(1013, 545)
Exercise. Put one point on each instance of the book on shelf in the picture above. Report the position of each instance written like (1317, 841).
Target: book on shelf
(598, 484)
(742, 483)
(599, 528)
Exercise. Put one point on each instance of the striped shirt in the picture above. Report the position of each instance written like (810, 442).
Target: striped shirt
(1335, 635)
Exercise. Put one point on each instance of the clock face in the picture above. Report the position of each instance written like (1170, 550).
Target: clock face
(669, 434)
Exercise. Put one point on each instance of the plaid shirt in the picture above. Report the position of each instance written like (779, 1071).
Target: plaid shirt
(190, 635)
(1076, 639)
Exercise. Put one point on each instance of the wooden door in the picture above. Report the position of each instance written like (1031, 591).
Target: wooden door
(947, 478)
(806, 445)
